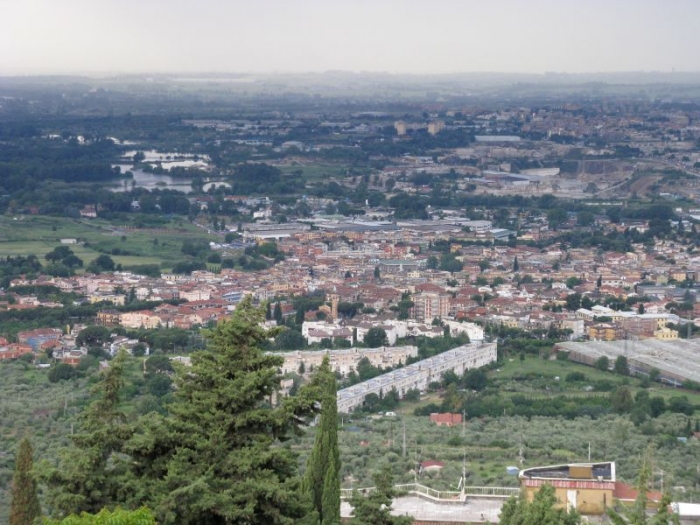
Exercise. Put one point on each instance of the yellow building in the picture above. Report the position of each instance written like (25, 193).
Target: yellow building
(666, 334)
(436, 127)
(400, 127)
(605, 332)
(587, 487)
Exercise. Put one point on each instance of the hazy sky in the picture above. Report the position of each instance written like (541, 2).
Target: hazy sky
(426, 36)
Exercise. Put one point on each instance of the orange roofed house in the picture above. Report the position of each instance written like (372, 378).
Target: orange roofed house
(446, 420)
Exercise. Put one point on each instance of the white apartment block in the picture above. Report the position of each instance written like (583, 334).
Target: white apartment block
(473, 331)
(418, 375)
(345, 360)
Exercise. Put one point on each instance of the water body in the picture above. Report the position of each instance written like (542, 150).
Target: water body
(167, 161)
(151, 181)
(170, 159)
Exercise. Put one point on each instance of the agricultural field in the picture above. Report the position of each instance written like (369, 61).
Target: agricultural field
(126, 244)
(488, 445)
(313, 172)
(538, 378)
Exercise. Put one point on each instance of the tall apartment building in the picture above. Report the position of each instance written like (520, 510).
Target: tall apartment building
(436, 127)
(429, 305)
(400, 127)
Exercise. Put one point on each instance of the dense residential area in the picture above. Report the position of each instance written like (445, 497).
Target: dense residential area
(476, 292)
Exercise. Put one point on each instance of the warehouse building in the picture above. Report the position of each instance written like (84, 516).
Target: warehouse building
(677, 360)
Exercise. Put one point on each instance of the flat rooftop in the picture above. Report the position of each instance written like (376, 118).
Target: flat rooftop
(604, 471)
(679, 357)
(472, 511)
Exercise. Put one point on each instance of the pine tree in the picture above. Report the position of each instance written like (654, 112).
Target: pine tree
(375, 507)
(90, 474)
(541, 511)
(24, 508)
(268, 311)
(637, 513)
(142, 516)
(322, 477)
(216, 458)
(516, 266)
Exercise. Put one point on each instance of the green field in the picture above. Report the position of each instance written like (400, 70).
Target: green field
(316, 172)
(38, 235)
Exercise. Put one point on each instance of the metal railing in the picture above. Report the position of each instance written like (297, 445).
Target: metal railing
(442, 495)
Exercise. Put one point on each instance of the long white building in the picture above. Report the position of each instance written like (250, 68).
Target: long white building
(345, 360)
(418, 375)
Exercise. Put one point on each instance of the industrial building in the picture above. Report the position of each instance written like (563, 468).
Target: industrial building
(418, 375)
(677, 360)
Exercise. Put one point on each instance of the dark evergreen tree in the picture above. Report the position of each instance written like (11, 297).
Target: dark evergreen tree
(268, 311)
(216, 459)
(516, 266)
(375, 507)
(277, 316)
(24, 508)
(541, 511)
(299, 315)
(142, 516)
(637, 514)
(90, 474)
(621, 366)
(322, 476)
(376, 337)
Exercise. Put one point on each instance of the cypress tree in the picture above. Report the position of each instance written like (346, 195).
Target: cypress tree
(25, 507)
(277, 316)
(322, 477)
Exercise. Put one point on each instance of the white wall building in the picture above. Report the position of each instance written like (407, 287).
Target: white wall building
(418, 375)
(473, 331)
(345, 360)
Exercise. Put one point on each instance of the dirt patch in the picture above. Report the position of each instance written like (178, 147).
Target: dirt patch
(641, 186)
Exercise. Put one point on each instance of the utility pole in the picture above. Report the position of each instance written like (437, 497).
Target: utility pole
(403, 455)
(464, 475)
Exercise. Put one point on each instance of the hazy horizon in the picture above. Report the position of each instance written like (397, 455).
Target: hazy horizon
(99, 37)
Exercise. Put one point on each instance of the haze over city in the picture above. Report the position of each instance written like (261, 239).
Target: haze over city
(395, 36)
(312, 262)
